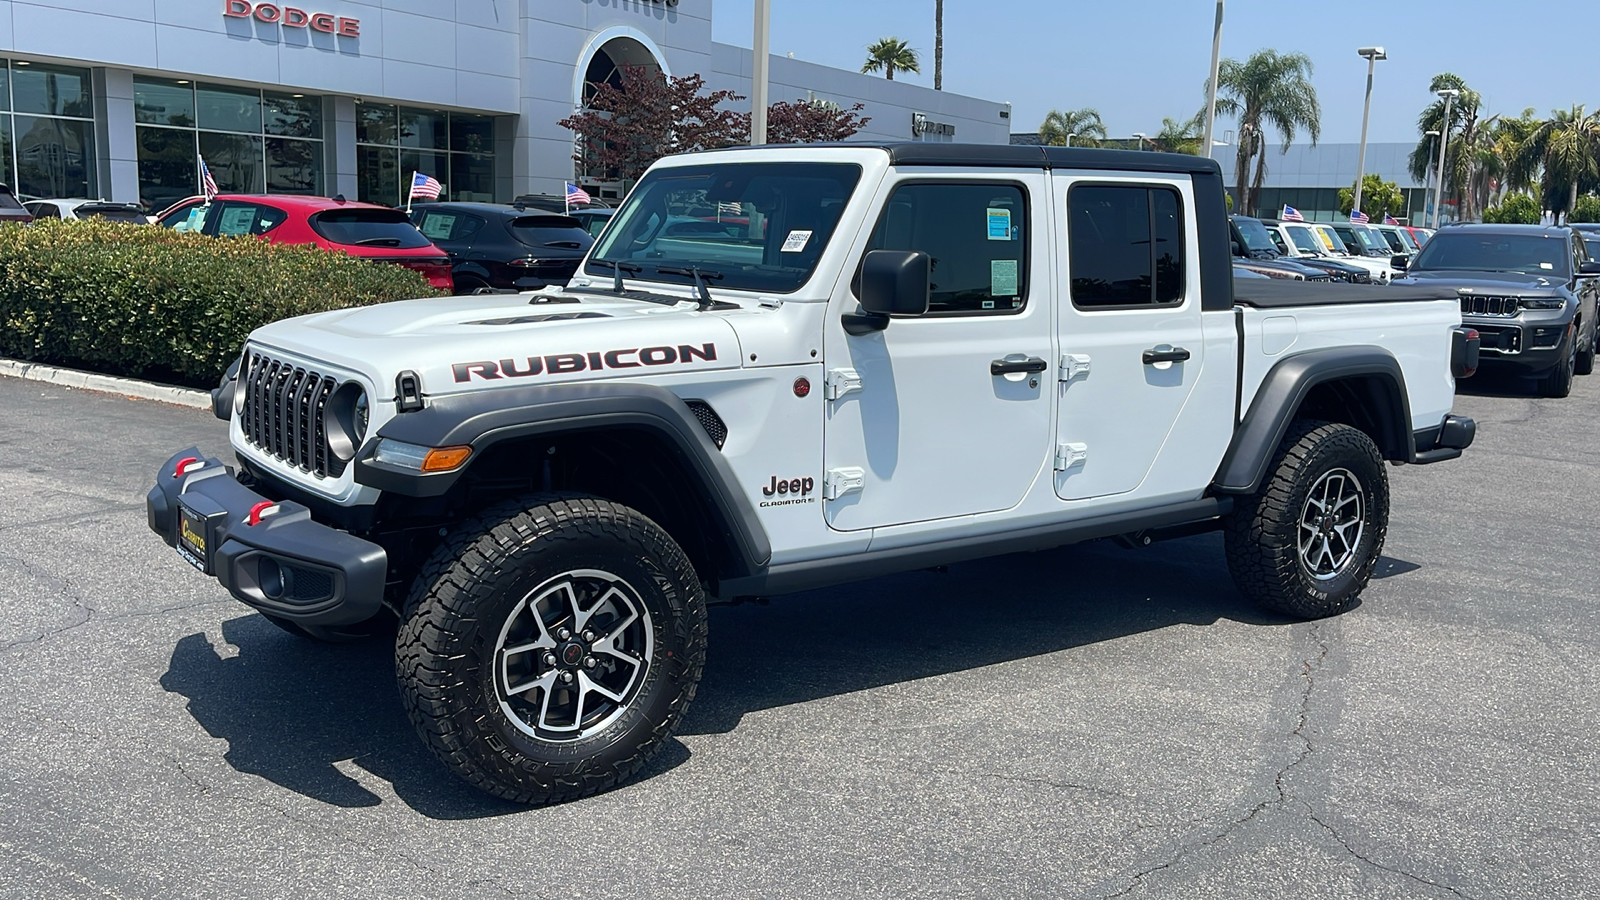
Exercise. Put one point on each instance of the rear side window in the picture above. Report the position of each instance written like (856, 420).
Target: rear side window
(247, 218)
(368, 228)
(8, 202)
(559, 232)
(437, 225)
(1125, 245)
(41, 210)
(110, 214)
(976, 235)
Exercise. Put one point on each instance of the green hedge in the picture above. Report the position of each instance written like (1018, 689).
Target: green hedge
(145, 301)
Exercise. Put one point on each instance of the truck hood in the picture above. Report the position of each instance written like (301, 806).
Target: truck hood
(1486, 282)
(458, 344)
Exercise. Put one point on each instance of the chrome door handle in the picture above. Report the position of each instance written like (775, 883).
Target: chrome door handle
(1032, 365)
(1171, 354)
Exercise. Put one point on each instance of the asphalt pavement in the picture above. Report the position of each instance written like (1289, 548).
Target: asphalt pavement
(1085, 722)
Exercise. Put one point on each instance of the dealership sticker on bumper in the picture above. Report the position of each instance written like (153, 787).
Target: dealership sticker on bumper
(191, 542)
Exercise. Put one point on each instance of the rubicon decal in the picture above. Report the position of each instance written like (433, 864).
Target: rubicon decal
(592, 361)
(792, 490)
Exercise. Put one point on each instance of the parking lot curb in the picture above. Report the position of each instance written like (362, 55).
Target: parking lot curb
(91, 381)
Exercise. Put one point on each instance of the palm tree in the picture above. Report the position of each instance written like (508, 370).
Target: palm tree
(891, 55)
(1083, 126)
(1179, 137)
(1266, 90)
(938, 45)
(1567, 147)
(1467, 152)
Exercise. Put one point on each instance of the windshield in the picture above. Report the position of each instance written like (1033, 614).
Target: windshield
(745, 226)
(1469, 251)
(1409, 239)
(1330, 241)
(1370, 240)
(370, 228)
(1256, 238)
(1303, 239)
(1393, 240)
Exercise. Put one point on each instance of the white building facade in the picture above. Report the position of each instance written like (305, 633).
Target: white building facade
(119, 98)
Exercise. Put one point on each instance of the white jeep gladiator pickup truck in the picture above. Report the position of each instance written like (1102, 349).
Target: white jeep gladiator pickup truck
(784, 368)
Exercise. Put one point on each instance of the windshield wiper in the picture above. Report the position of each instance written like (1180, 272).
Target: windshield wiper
(697, 274)
(617, 268)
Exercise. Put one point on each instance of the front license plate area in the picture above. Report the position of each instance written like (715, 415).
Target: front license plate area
(194, 538)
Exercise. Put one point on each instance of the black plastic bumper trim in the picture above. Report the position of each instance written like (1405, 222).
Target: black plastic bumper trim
(290, 537)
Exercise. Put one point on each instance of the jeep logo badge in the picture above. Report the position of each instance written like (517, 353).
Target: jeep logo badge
(793, 490)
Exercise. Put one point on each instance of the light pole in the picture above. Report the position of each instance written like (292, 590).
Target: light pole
(1428, 188)
(1371, 55)
(1449, 95)
(1070, 136)
(758, 73)
(1140, 137)
(1211, 89)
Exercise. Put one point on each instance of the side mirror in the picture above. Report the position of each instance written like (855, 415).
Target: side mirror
(893, 283)
(1235, 249)
(1399, 261)
(1592, 267)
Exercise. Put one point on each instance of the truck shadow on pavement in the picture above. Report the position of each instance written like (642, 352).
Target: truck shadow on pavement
(290, 708)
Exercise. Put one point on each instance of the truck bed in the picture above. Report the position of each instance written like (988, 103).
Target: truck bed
(1277, 293)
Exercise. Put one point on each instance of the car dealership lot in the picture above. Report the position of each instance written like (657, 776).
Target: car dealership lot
(1090, 721)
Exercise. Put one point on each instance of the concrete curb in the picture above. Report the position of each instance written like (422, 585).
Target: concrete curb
(91, 381)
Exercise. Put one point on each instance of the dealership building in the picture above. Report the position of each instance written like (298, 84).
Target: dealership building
(118, 99)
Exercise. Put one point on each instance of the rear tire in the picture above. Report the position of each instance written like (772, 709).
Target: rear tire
(1558, 383)
(1306, 542)
(1584, 364)
(466, 284)
(550, 647)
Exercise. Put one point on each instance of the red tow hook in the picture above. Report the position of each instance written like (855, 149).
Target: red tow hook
(183, 466)
(260, 509)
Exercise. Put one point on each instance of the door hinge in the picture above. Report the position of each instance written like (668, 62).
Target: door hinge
(1069, 455)
(1073, 365)
(843, 481)
(841, 382)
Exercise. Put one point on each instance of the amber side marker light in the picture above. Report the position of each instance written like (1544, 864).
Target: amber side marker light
(445, 459)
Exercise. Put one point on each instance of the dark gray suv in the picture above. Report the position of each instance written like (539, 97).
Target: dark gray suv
(1529, 290)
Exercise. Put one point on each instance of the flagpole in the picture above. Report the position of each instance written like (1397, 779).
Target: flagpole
(411, 193)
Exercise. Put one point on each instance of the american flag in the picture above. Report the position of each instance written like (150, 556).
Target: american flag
(577, 194)
(207, 183)
(424, 187)
(1390, 220)
(1290, 214)
(1359, 217)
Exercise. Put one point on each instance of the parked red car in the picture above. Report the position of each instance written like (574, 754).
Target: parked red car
(359, 229)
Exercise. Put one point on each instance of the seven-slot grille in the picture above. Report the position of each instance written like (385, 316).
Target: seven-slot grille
(1474, 305)
(282, 414)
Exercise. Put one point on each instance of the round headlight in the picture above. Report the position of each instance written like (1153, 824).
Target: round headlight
(345, 420)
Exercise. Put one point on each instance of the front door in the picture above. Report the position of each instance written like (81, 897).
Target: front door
(1132, 348)
(946, 414)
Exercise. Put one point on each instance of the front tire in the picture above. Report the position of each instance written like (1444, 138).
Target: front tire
(551, 646)
(1306, 542)
(1558, 383)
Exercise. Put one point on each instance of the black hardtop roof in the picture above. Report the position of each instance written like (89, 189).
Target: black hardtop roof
(1550, 231)
(1028, 156)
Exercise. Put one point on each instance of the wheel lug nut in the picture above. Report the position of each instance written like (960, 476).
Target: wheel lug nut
(588, 662)
(549, 659)
(567, 677)
(563, 634)
(588, 636)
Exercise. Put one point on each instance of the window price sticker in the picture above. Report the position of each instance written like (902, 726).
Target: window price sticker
(796, 241)
(1003, 277)
(999, 224)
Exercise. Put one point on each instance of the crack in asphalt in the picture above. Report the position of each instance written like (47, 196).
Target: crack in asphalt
(1060, 785)
(1312, 815)
(1309, 667)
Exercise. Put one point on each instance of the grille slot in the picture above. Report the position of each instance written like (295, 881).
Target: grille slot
(1475, 305)
(715, 428)
(282, 416)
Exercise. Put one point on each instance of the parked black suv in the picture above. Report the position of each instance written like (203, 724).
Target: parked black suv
(1313, 257)
(1529, 290)
(1253, 249)
(492, 245)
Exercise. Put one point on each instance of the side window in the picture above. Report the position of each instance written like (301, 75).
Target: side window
(248, 218)
(189, 217)
(44, 210)
(448, 226)
(1125, 245)
(976, 235)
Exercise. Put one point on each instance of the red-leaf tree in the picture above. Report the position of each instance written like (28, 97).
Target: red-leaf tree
(809, 122)
(630, 125)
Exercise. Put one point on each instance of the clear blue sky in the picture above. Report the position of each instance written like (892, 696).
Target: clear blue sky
(1137, 60)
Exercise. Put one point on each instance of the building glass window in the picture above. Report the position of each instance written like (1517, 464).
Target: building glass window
(46, 130)
(253, 141)
(393, 142)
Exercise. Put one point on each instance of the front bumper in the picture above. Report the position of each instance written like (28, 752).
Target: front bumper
(1526, 347)
(270, 555)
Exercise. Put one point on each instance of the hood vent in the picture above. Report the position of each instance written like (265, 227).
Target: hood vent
(547, 317)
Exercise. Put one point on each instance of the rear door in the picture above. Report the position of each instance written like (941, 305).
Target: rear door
(1132, 348)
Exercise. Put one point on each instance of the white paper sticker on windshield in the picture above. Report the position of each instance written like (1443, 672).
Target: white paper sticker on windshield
(1547, 265)
(796, 241)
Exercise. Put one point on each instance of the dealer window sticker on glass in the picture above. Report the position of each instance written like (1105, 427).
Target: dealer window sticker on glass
(796, 241)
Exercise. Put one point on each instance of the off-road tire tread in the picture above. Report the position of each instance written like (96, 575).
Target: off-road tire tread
(1260, 534)
(464, 571)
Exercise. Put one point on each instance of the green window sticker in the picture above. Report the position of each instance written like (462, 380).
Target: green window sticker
(1003, 277)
